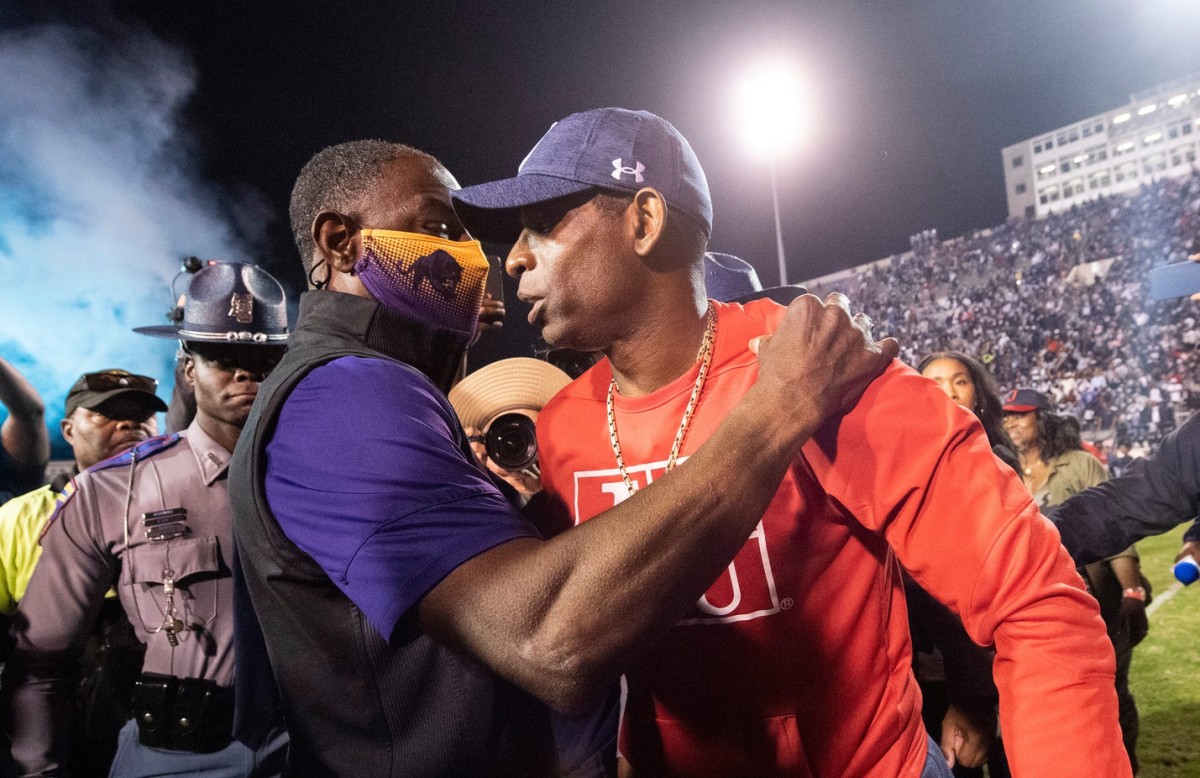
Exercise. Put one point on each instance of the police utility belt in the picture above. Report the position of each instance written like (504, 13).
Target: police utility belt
(182, 714)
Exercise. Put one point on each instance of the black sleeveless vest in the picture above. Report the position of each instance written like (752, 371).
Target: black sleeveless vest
(355, 702)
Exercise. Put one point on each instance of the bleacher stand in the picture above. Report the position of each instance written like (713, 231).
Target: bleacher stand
(1059, 304)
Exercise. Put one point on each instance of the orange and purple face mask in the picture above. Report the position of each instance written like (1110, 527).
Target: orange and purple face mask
(431, 280)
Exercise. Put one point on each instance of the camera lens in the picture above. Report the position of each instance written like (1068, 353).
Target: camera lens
(512, 441)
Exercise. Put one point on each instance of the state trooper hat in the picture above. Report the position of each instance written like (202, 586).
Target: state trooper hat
(730, 279)
(230, 302)
(607, 148)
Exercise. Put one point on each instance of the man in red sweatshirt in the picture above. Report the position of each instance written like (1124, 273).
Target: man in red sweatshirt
(796, 661)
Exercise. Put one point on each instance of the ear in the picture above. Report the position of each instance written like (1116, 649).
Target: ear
(648, 216)
(189, 369)
(67, 425)
(337, 240)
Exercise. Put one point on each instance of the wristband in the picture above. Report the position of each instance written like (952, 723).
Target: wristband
(1135, 593)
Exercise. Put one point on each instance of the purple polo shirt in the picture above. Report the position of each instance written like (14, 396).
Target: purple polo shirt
(366, 475)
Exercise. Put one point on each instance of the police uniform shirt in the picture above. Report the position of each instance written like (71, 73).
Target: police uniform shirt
(179, 531)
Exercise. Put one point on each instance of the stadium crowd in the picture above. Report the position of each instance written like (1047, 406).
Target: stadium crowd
(1024, 297)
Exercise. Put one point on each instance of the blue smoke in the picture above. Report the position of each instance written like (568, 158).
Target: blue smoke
(99, 200)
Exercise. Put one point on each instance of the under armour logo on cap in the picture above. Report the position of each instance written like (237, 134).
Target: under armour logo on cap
(610, 149)
(636, 171)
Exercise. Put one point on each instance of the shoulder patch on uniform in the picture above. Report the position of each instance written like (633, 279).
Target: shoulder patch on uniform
(144, 450)
(60, 502)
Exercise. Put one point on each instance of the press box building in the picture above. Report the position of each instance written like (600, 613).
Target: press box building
(1153, 136)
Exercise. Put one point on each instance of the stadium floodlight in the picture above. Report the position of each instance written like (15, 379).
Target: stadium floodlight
(1146, 110)
(773, 110)
(1177, 100)
(1121, 118)
(1152, 137)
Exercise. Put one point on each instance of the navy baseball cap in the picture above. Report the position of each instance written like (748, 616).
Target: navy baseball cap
(607, 148)
(1025, 400)
(730, 279)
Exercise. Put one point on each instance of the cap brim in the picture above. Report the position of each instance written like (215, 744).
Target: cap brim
(99, 398)
(171, 332)
(1018, 408)
(780, 294)
(490, 211)
(159, 331)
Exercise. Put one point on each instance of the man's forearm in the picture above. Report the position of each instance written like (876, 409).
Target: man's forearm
(23, 434)
(563, 617)
(602, 592)
(1151, 497)
(17, 394)
(1127, 571)
(1192, 534)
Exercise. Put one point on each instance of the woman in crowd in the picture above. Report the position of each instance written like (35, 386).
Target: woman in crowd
(955, 675)
(967, 382)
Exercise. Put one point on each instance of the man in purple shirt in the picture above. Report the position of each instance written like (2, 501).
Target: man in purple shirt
(407, 609)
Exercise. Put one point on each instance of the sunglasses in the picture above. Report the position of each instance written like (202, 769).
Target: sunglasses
(119, 379)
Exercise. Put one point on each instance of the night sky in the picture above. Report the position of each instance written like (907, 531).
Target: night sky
(913, 100)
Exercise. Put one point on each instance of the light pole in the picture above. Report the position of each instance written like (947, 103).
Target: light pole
(778, 228)
(771, 111)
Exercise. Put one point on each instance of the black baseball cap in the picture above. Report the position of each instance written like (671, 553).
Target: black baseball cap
(94, 389)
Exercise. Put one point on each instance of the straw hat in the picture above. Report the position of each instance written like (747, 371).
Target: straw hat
(505, 386)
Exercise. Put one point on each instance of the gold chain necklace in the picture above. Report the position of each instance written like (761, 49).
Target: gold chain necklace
(705, 359)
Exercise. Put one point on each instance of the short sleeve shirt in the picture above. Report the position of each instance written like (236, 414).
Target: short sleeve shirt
(21, 522)
(368, 474)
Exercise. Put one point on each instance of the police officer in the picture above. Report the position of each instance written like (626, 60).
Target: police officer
(154, 524)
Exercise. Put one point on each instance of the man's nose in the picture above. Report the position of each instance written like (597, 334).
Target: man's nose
(520, 258)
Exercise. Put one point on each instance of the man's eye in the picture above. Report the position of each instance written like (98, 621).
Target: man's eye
(541, 226)
(440, 229)
(541, 223)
